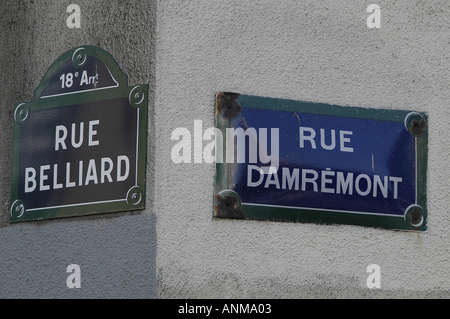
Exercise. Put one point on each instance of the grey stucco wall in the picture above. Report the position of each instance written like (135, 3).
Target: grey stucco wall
(320, 51)
(117, 252)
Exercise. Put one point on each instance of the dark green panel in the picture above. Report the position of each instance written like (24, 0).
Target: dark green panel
(80, 146)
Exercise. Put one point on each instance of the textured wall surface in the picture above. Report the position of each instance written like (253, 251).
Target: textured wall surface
(320, 51)
(116, 252)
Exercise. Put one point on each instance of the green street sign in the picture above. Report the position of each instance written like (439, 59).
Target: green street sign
(80, 146)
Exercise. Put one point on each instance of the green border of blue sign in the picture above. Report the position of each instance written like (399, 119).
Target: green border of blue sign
(135, 198)
(227, 203)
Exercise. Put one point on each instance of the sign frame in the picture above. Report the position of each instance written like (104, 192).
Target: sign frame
(137, 98)
(228, 203)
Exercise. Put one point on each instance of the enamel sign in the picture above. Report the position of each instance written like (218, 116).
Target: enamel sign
(79, 147)
(310, 162)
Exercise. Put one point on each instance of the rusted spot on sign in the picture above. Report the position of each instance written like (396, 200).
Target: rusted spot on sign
(227, 106)
(228, 206)
(418, 127)
(416, 124)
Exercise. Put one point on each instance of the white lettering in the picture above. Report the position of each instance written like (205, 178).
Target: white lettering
(274, 180)
(396, 180)
(120, 159)
(357, 186)
(43, 178)
(309, 138)
(344, 183)
(309, 180)
(250, 182)
(55, 178)
(60, 139)
(311, 135)
(106, 172)
(85, 177)
(325, 181)
(80, 140)
(91, 174)
(93, 132)
(322, 140)
(290, 179)
(68, 182)
(330, 181)
(30, 178)
(84, 78)
(80, 173)
(383, 187)
(344, 140)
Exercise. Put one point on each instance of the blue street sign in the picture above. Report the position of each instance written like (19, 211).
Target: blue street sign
(311, 162)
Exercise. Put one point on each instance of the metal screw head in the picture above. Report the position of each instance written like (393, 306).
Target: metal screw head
(137, 96)
(21, 113)
(134, 196)
(19, 209)
(79, 57)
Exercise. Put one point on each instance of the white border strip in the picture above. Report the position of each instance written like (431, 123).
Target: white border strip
(74, 205)
(137, 148)
(321, 209)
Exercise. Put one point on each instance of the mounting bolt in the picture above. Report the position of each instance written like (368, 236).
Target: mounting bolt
(227, 105)
(414, 216)
(134, 196)
(79, 57)
(416, 124)
(21, 113)
(228, 204)
(17, 210)
(137, 96)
